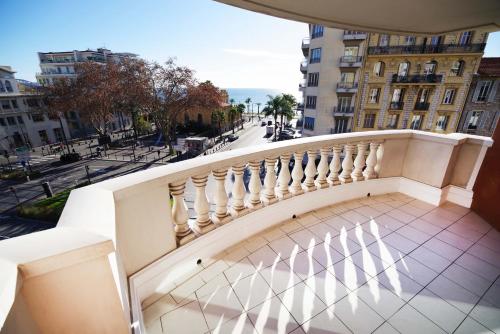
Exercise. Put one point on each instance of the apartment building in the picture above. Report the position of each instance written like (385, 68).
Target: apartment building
(482, 109)
(420, 83)
(23, 120)
(54, 65)
(331, 69)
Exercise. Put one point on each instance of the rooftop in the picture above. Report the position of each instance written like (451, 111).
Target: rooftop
(489, 66)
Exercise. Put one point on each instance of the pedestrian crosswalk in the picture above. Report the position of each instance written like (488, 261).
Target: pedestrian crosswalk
(34, 160)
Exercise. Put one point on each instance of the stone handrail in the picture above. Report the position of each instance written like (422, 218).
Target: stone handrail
(134, 214)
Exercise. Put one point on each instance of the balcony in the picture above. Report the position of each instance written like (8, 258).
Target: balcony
(342, 110)
(305, 46)
(350, 35)
(421, 106)
(124, 255)
(417, 79)
(57, 61)
(303, 66)
(302, 85)
(351, 61)
(347, 87)
(396, 106)
(423, 49)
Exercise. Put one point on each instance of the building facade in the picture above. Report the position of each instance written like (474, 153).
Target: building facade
(23, 120)
(417, 83)
(482, 110)
(55, 65)
(331, 72)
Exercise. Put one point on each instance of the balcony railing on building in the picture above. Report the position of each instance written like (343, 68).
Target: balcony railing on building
(422, 106)
(417, 78)
(354, 35)
(416, 49)
(305, 46)
(343, 110)
(48, 60)
(302, 85)
(347, 87)
(350, 61)
(303, 66)
(396, 105)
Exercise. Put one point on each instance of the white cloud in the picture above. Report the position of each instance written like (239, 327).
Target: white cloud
(261, 54)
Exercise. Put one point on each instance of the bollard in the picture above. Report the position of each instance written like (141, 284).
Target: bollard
(47, 189)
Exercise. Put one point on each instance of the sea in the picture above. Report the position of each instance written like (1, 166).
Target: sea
(258, 95)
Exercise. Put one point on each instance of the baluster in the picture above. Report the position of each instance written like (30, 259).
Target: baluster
(254, 186)
(284, 177)
(297, 174)
(333, 178)
(380, 155)
(310, 171)
(238, 206)
(180, 213)
(359, 163)
(203, 223)
(269, 182)
(371, 161)
(345, 176)
(221, 215)
(321, 181)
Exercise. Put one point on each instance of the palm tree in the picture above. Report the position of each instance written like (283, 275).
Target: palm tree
(233, 113)
(258, 110)
(218, 116)
(272, 108)
(288, 103)
(241, 108)
(248, 101)
(231, 101)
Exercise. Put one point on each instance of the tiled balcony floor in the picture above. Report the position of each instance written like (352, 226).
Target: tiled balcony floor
(383, 264)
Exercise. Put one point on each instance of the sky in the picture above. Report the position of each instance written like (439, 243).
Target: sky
(231, 47)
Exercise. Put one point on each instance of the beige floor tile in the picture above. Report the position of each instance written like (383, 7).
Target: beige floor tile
(304, 265)
(344, 245)
(490, 242)
(348, 273)
(410, 321)
(273, 234)
(301, 302)
(159, 308)
(310, 219)
(264, 257)
(285, 247)
(326, 322)
(430, 259)
(326, 255)
(339, 223)
(368, 211)
(272, 317)
(399, 284)
(213, 270)
(400, 243)
(415, 270)
(355, 217)
(217, 283)
(386, 328)
(252, 291)
(453, 293)
(177, 320)
(413, 234)
(255, 243)
(471, 326)
(238, 325)
(323, 231)
(425, 227)
(454, 239)
(291, 226)
(322, 213)
(485, 254)
(382, 207)
(154, 327)
(370, 264)
(413, 210)
(388, 254)
(388, 222)
(467, 279)
(442, 248)
(402, 216)
(280, 276)
(235, 255)
(240, 270)
(327, 287)
(478, 267)
(380, 299)
(220, 306)
(351, 309)
(487, 315)
(305, 238)
(187, 288)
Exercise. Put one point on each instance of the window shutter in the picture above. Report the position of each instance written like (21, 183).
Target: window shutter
(493, 91)
(476, 91)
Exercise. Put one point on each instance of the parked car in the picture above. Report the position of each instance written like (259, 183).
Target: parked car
(285, 136)
(269, 122)
(263, 123)
(232, 137)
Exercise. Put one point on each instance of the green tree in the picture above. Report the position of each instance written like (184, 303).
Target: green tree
(287, 105)
(272, 108)
(241, 109)
(218, 117)
(248, 101)
(231, 101)
(233, 114)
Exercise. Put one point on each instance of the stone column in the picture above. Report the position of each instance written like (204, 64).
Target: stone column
(221, 215)
(238, 199)
(180, 213)
(310, 171)
(321, 181)
(284, 177)
(269, 182)
(345, 176)
(254, 185)
(297, 175)
(203, 223)
(333, 178)
(359, 163)
(371, 161)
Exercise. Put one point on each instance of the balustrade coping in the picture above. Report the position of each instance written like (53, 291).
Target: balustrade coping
(163, 175)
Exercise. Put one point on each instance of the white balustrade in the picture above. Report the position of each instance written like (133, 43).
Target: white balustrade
(284, 177)
(203, 224)
(359, 162)
(380, 155)
(371, 161)
(297, 174)
(238, 199)
(254, 186)
(310, 171)
(180, 213)
(333, 177)
(321, 181)
(269, 182)
(221, 215)
(345, 176)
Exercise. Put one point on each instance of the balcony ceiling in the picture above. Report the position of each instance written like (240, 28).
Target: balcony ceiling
(421, 17)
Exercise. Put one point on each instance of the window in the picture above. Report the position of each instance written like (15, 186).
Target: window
(449, 95)
(8, 86)
(38, 118)
(311, 102)
(398, 95)
(442, 122)
(465, 38)
(313, 79)
(32, 102)
(435, 40)
(403, 69)
(474, 120)
(430, 67)
(14, 104)
(20, 120)
(383, 40)
(315, 56)
(369, 121)
(11, 120)
(58, 134)
(5, 104)
(457, 68)
(309, 123)
(2, 122)
(378, 69)
(416, 122)
(410, 40)
(482, 91)
(2, 88)
(351, 51)
(422, 96)
(347, 77)
(341, 124)
(344, 103)
(392, 121)
(43, 136)
(374, 94)
(317, 31)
